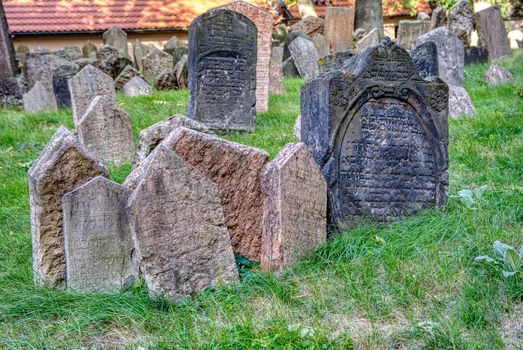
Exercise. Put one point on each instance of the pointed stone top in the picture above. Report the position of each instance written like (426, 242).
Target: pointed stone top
(98, 103)
(90, 70)
(96, 183)
(289, 151)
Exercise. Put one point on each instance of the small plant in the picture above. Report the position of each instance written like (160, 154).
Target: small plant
(506, 259)
(469, 197)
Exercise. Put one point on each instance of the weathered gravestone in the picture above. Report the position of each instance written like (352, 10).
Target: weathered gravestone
(222, 71)
(137, 86)
(296, 129)
(379, 133)
(409, 31)
(112, 61)
(106, 131)
(8, 67)
(339, 25)
(476, 55)
(61, 75)
(176, 48)
(97, 237)
(369, 15)
(459, 102)
(263, 21)
(139, 52)
(461, 21)
(369, 40)
(425, 57)
(335, 61)
(157, 62)
(116, 38)
(63, 165)
(127, 74)
(69, 53)
(39, 99)
(89, 50)
(497, 75)
(45, 67)
(295, 207)
(236, 169)
(451, 54)
(305, 56)
(309, 25)
(439, 18)
(166, 81)
(492, 34)
(85, 86)
(321, 45)
(276, 75)
(178, 229)
(182, 72)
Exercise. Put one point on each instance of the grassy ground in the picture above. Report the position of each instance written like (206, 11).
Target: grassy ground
(412, 284)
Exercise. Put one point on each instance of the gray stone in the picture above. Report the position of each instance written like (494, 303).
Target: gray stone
(97, 237)
(439, 18)
(116, 38)
(492, 34)
(137, 86)
(297, 128)
(276, 74)
(380, 135)
(370, 39)
(157, 62)
(182, 72)
(127, 74)
(89, 49)
(358, 35)
(139, 51)
(62, 166)
(106, 131)
(41, 67)
(369, 15)
(460, 103)
(409, 31)
(62, 71)
(12, 90)
(451, 54)
(289, 68)
(497, 75)
(69, 53)
(39, 99)
(476, 55)
(84, 62)
(339, 25)
(85, 86)
(178, 229)
(321, 45)
(335, 61)
(112, 61)
(425, 56)
(8, 67)
(461, 21)
(21, 54)
(222, 71)
(305, 57)
(151, 137)
(423, 16)
(176, 48)
(295, 208)
(166, 81)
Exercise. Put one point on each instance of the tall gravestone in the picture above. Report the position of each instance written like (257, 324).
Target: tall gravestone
(63, 165)
(409, 31)
(263, 21)
(157, 62)
(339, 25)
(97, 237)
(8, 67)
(492, 34)
(116, 38)
(222, 71)
(305, 56)
(461, 21)
(369, 15)
(379, 133)
(61, 74)
(425, 57)
(276, 75)
(178, 229)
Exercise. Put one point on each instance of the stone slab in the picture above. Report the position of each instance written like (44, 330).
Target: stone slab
(492, 34)
(339, 25)
(39, 99)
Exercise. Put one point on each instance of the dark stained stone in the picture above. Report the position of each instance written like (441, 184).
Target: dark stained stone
(476, 55)
(166, 81)
(8, 67)
(127, 74)
(12, 90)
(112, 61)
(289, 68)
(369, 15)
(380, 135)
(461, 21)
(222, 71)
(89, 50)
(492, 34)
(61, 75)
(425, 56)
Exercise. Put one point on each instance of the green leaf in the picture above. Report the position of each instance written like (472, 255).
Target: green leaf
(466, 197)
(485, 258)
(478, 193)
(500, 250)
(508, 273)
(521, 252)
(512, 259)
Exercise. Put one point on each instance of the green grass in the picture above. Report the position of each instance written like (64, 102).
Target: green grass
(410, 284)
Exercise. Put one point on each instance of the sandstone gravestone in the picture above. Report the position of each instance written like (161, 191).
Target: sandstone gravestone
(276, 76)
(97, 237)
(85, 86)
(69, 53)
(369, 15)
(451, 54)
(39, 99)
(116, 38)
(305, 57)
(295, 207)
(8, 67)
(157, 62)
(492, 34)
(461, 21)
(321, 45)
(476, 55)
(369, 40)
(139, 52)
(127, 74)
(62, 166)
(222, 71)
(409, 31)
(309, 25)
(106, 131)
(380, 134)
(425, 57)
(137, 86)
(178, 229)
(497, 75)
(339, 25)
(89, 50)
(236, 169)
(263, 21)
(459, 102)
(439, 18)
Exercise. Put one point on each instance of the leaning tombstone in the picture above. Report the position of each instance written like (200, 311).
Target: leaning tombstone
(139, 52)
(127, 74)
(222, 71)
(106, 131)
(63, 165)
(295, 208)
(369, 40)
(157, 62)
(39, 99)
(409, 31)
(475, 55)
(137, 86)
(8, 67)
(461, 21)
(97, 237)
(379, 133)
(305, 56)
(439, 18)
(497, 75)
(178, 229)
(460, 103)
(339, 25)
(492, 34)
(182, 72)
(85, 86)
(116, 38)
(276, 76)
(425, 57)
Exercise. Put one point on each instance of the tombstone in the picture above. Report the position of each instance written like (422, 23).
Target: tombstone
(339, 25)
(85, 86)
(491, 33)
(176, 48)
(127, 74)
(97, 237)
(8, 67)
(236, 169)
(21, 54)
(369, 15)
(139, 52)
(41, 66)
(321, 45)
(297, 128)
(305, 57)
(39, 99)
(276, 76)
(112, 61)
(289, 69)
(156, 63)
(69, 53)
(166, 81)
(461, 21)
(151, 137)
(497, 75)
(62, 166)
(369, 40)
(309, 25)
(222, 71)
(425, 57)
(380, 135)
(116, 38)
(335, 61)
(178, 229)
(89, 49)
(409, 31)
(439, 18)
(451, 54)
(280, 33)
(460, 103)
(137, 86)
(263, 20)
(106, 131)
(476, 55)
(182, 72)
(61, 74)
(295, 208)
(423, 16)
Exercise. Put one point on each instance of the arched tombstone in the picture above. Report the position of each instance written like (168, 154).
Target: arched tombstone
(222, 71)
(380, 134)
